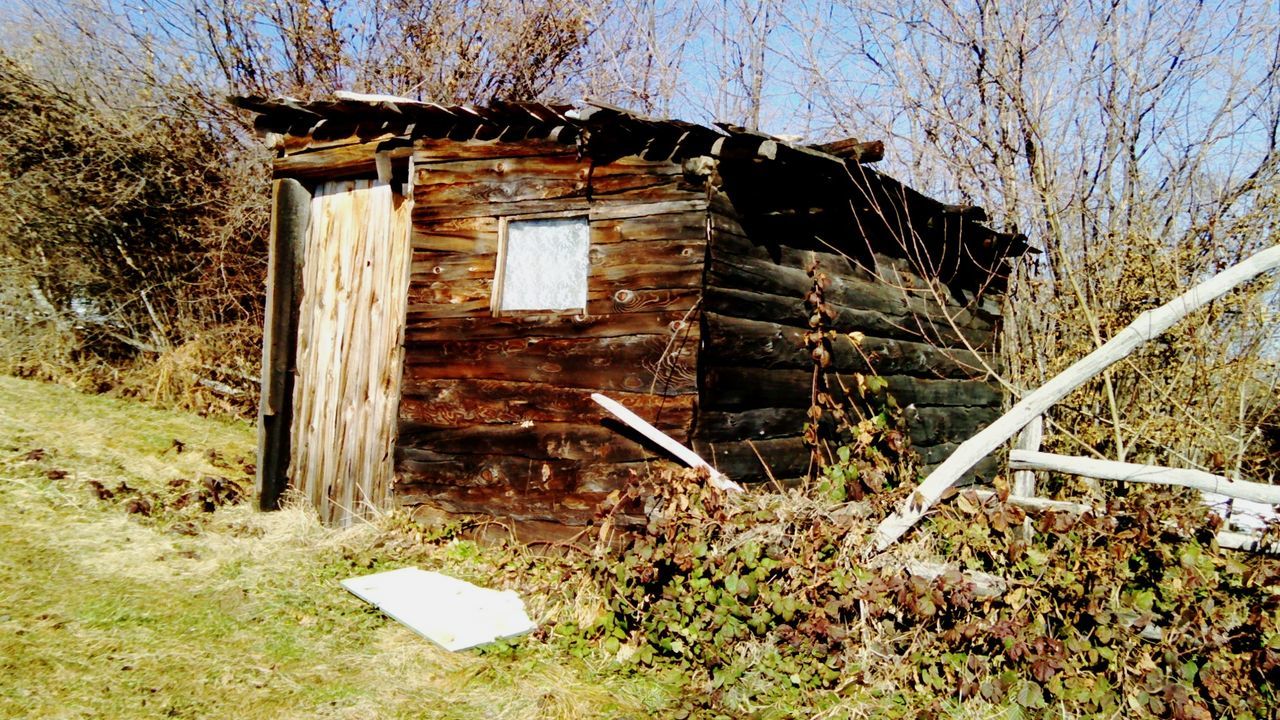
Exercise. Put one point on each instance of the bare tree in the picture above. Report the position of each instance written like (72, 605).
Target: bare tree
(1136, 145)
(134, 214)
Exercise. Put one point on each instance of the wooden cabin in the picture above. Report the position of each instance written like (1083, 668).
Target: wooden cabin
(450, 284)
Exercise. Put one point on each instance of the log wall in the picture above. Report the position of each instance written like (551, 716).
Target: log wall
(695, 319)
(496, 415)
(927, 339)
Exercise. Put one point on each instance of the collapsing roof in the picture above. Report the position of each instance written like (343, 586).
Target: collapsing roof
(827, 186)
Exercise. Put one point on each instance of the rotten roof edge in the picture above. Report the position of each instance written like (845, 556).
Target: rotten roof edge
(290, 116)
(355, 114)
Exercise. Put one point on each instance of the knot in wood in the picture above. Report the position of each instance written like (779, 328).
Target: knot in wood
(624, 300)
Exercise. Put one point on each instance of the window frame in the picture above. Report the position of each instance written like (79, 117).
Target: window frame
(500, 262)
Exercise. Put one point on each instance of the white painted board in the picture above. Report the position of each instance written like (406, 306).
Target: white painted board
(452, 613)
(1242, 515)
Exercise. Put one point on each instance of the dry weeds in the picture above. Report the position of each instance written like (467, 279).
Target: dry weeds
(109, 614)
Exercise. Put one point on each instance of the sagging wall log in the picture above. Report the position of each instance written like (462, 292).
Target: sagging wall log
(930, 341)
(496, 415)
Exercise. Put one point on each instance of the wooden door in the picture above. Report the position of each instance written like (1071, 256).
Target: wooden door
(350, 348)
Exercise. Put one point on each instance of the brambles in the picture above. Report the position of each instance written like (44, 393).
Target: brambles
(765, 601)
(855, 428)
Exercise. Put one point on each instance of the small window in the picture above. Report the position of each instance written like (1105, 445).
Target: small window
(542, 264)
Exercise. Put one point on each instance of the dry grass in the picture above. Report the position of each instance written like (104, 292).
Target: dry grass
(106, 614)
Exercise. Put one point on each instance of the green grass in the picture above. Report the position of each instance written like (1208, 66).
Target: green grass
(108, 614)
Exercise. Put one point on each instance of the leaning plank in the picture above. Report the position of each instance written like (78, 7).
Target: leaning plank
(684, 454)
(1132, 472)
(290, 216)
(1145, 327)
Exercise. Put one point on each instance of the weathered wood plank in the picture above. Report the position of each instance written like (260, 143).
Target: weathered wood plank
(606, 287)
(453, 403)
(1139, 473)
(454, 189)
(738, 387)
(630, 364)
(754, 424)
(448, 267)
(432, 173)
(735, 271)
(694, 205)
(895, 275)
(429, 151)
(597, 202)
(613, 299)
(926, 426)
(932, 455)
(790, 310)
(349, 348)
(936, 425)
(860, 151)
(336, 163)
(1024, 481)
(479, 235)
(603, 261)
(683, 225)
(516, 475)
(298, 145)
(572, 509)
(445, 185)
(785, 457)
(600, 302)
(471, 236)
(620, 323)
(291, 211)
(740, 341)
(588, 438)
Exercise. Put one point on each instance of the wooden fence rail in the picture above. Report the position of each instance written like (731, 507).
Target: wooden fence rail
(1034, 404)
(1155, 474)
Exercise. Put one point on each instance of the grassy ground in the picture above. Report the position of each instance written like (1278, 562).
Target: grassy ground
(182, 613)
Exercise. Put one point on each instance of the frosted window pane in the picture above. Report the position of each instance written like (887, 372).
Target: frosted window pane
(546, 265)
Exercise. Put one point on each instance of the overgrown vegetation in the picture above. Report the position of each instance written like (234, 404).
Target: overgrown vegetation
(1135, 145)
(770, 606)
(760, 605)
(127, 236)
